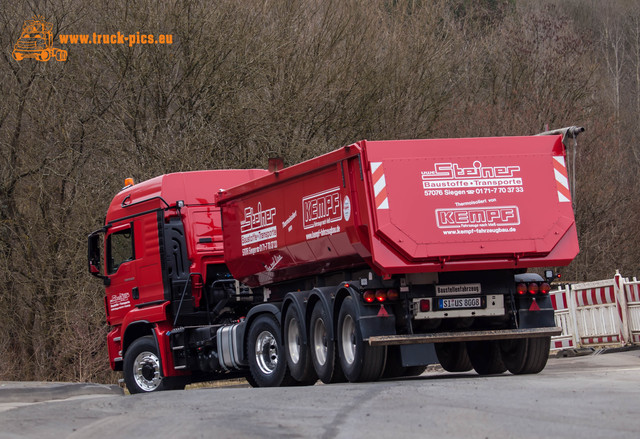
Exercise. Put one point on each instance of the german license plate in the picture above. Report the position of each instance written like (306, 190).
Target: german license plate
(460, 303)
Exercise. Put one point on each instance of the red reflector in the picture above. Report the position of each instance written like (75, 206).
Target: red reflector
(369, 296)
(534, 306)
(383, 312)
(425, 305)
(381, 295)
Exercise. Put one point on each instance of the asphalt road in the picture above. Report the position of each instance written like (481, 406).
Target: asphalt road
(594, 396)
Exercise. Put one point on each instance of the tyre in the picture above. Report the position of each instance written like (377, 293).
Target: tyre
(297, 349)
(485, 357)
(537, 354)
(267, 363)
(322, 347)
(359, 361)
(142, 368)
(61, 55)
(44, 56)
(453, 356)
(514, 354)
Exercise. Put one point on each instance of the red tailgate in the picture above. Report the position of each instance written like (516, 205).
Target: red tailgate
(464, 199)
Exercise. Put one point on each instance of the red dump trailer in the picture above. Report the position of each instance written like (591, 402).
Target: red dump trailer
(371, 261)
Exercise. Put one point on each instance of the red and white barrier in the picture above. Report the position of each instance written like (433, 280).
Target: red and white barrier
(632, 294)
(598, 313)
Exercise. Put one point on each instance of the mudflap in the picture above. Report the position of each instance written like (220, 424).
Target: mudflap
(376, 321)
(418, 354)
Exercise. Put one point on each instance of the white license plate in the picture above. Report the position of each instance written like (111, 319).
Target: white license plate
(460, 303)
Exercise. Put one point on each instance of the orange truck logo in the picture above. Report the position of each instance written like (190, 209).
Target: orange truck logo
(36, 42)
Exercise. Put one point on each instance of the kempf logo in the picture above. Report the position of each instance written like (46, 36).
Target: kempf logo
(478, 216)
(36, 42)
(322, 208)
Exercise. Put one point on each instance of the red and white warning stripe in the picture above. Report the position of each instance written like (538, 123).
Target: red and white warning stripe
(562, 344)
(559, 300)
(596, 296)
(633, 293)
(379, 185)
(601, 340)
(562, 179)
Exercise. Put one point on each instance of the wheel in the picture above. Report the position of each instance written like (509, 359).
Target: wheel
(525, 356)
(297, 350)
(485, 357)
(44, 55)
(453, 357)
(322, 347)
(142, 368)
(514, 354)
(360, 362)
(17, 56)
(267, 364)
(61, 55)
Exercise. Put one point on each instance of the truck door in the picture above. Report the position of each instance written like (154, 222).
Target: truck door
(120, 269)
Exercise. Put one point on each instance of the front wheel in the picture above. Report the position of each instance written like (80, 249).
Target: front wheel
(142, 368)
(267, 363)
(359, 360)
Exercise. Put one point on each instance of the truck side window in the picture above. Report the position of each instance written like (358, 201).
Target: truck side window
(119, 249)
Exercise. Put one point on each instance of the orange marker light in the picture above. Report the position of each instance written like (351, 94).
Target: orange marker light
(128, 182)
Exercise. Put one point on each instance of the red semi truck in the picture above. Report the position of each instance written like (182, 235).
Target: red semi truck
(374, 260)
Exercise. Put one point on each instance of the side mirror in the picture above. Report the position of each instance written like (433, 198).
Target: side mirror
(94, 255)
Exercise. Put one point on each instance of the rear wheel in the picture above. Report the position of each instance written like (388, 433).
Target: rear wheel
(297, 350)
(360, 362)
(322, 347)
(525, 356)
(485, 357)
(453, 356)
(142, 368)
(267, 364)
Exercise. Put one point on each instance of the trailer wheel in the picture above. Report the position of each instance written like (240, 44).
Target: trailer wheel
(267, 364)
(453, 356)
(142, 368)
(525, 356)
(297, 350)
(485, 357)
(323, 348)
(359, 360)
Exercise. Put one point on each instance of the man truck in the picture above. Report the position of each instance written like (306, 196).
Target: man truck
(371, 261)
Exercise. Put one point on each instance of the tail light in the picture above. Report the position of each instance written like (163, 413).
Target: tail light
(380, 295)
(425, 305)
(393, 294)
(533, 288)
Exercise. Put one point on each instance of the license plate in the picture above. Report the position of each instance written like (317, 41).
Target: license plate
(460, 303)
